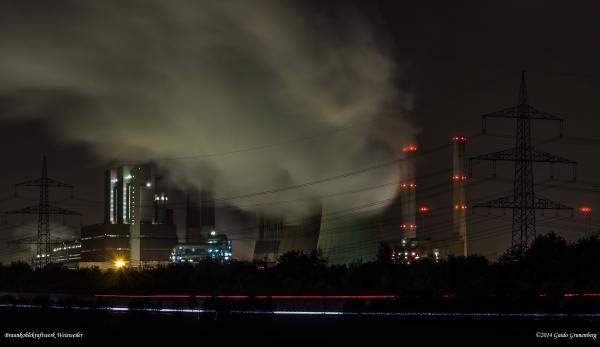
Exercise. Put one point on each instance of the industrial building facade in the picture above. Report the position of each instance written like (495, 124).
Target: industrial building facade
(217, 247)
(102, 244)
(138, 226)
(67, 253)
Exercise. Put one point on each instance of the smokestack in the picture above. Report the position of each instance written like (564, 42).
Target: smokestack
(459, 202)
(408, 189)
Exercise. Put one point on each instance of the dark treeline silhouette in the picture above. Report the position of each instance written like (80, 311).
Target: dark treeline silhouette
(551, 266)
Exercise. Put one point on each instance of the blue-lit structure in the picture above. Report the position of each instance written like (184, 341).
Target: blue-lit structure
(217, 247)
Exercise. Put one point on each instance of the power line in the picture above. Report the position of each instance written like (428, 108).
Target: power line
(323, 134)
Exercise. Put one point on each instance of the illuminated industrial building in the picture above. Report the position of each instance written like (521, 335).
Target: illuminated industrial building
(129, 194)
(67, 253)
(138, 227)
(405, 251)
(216, 248)
(202, 242)
(102, 244)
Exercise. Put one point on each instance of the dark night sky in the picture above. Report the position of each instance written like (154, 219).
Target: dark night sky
(459, 60)
(465, 59)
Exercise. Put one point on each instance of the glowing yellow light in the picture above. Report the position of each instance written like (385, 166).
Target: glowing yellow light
(119, 263)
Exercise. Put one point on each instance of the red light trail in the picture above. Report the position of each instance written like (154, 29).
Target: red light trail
(204, 296)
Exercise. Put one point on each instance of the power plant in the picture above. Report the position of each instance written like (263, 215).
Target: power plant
(139, 229)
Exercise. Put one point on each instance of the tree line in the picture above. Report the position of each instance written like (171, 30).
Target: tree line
(550, 266)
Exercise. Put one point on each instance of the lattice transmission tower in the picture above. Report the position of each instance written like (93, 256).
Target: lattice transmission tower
(43, 209)
(523, 200)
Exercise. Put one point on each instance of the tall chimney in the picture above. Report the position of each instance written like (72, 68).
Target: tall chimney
(459, 202)
(408, 188)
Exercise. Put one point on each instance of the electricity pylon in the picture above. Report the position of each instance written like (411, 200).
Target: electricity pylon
(43, 209)
(523, 201)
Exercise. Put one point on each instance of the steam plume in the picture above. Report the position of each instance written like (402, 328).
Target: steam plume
(241, 96)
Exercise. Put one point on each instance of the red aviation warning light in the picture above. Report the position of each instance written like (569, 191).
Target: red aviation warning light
(410, 148)
(585, 210)
(460, 207)
(408, 185)
(459, 138)
(459, 178)
(423, 209)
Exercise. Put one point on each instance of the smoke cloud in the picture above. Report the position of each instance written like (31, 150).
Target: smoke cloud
(238, 96)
